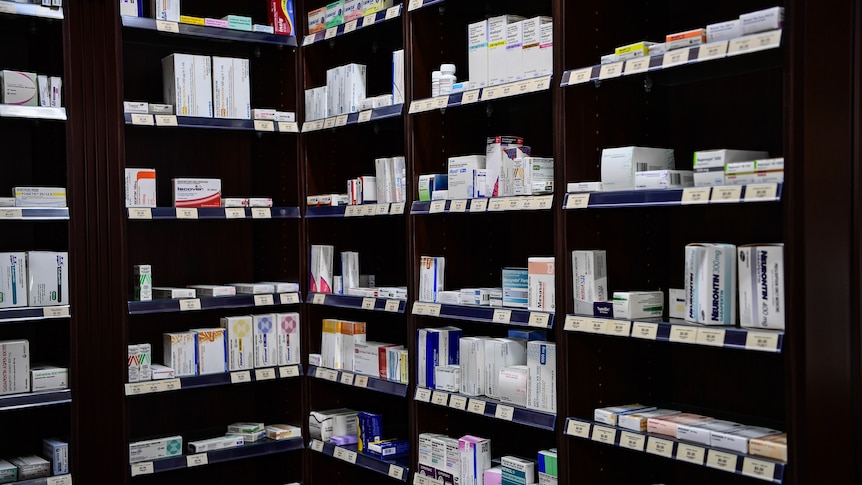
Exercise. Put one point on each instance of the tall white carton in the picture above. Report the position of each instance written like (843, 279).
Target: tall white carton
(619, 165)
(472, 356)
(716, 299)
(212, 358)
(541, 283)
(180, 353)
(351, 333)
(694, 257)
(47, 278)
(495, 160)
(398, 77)
(477, 54)
(330, 344)
(14, 367)
(590, 275)
(240, 342)
(265, 341)
(288, 336)
(461, 170)
(515, 51)
(498, 70)
(431, 277)
(761, 286)
(231, 88)
(542, 376)
(475, 459)
(188, 84)
(13, 280)
(532, 51)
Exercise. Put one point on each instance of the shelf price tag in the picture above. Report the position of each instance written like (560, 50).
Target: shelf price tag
(288, 127)
(288, 371)
(350, 26)
(645, 330)
(319, 299)
(506, 413)
(264, 374)
(721, 460)
(289, 298)
(397, 208)
(261, 213)
(437, 207)
(604, 434)
(61, 480)
(753, 43)
(347, 378)
(382, 209)
(423, 480)
(761, 341)
(341, 121)
(365, 116)
(632, 441)
(166, 120)
(458, 206)
(597, 325)
(190, 304)
(440, 398)
(539, 319)
(55, 311)
(609, 71)
(515, 203)
(369, 209)
(264, 125)
(439, 102)
(143, 120)
(636, 66)
(134, 214)
(578, 428)
(709, 52)
(752, 467)
(690, 454)
(761, 192)
(369, 303)
(675, 57)
(711, 337)
(329, 123)
(543, 202)
(369, 20)
(575, 324)
(476, 406)
(317, 445)
(264, 300)
(413, 5)
(396, 472)
(578, 201)
(429, 309)
(691, 196)
(580, 76)
(478, 205)
(234, 213)
(352, 211)
(393, 12)
(726, 194)
(392, 306)
(423, 394)
(502, 316)
(658, 446)
(145, 468)
(458, 402)
(492, 92)
(18, 213)
(330, 33)
(683, 334)
(470, 97)
(619, 328)
(240, 377)
(187, 213)
(330, 375)
(164, 26)
(308, 40)
(361, 381)
(496, 205)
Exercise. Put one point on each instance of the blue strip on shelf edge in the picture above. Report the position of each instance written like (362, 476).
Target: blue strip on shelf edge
(374, 383)
(213, 32)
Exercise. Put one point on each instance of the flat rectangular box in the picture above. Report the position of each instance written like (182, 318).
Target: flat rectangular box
(374, 6)
(281, 17)
(334, 14)
(154, 449)
(47, 278)
(49, 378)
(263, 114)
(738, 439)
(162, 372)
(389, 449)
(472, 362)
(222, 24)
(199, 193)
(702, 432)
(709, 165)
(512, 385)
(260, 202)
(542, 377)
(212, 444)
(187, 19)
(140, 187)
(14, 367)
(516, 287)
(667, 425)
(253, 288)
(212, 350)
(245, 427)
(664, 179)
(619, 165)
(431, 277)
(131, 8)
(754, 172)
(637, 421)
(287, 333)
(264, 29)
(685, 39)
(768, 19)
(238, 22)
(265, 345)
(18, 88)
(160, 109)
(288, 116)
(460, 175)
(168, 10)
(518, 471)
(493, 476)
(631, 51)
(610, 415)
(282, 431)
(542, 283)
(8, 472)
(248, 437)
(590, 275)
(39, 196)
(761, 286)
(180, 353)
(476, 296)
(451, 297)
(773, 446)
(498, 70)
(581, 187)
(475, 459)
(368, 360)
(30, 467)
(424, 448)
(13, 280)
(213, 290)
(632, 305)
(716, 288)
(187, 83)
(140, 107)
(7, 201)
(57, 452)
(166, 293)
(323, 425)
(535, 45)
(532, 175)
(331, 344)
(231, 88)
(720, 31)
(431, 183)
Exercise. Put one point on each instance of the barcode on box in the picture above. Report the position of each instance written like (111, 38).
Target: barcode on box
(641, 167)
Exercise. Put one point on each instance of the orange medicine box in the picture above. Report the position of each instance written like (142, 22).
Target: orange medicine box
(685, 39)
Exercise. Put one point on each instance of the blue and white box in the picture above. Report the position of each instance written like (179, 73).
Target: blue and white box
(472, 354)
(542, 376)
(265, 340)
(428, 347)
(516, 287)
(761, 286)
(57, 452)
(370, 429)
(13, 280)
(717, 286)
(431, 272)
(518, 471)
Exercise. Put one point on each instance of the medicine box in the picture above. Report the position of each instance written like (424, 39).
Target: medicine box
(518, 471)
(231, 88)
(475, 459)
(496, 158)
(30, 467)
(516, 287)
(542, 376)
(14, 367)
(265, 345)
(49, 378)
(168, 10)
(212, 444)
(140, 187)
(199, 193)
(619, 165)
(288, 337)
(166, 293)
(155, 449)
(187, 82)
(472, 362)
(501, 353)
(18, 88)
(534, 45)
(761, 286)
(768, 19)
(334, 14)
(39, 196)
(281, 17)
(590, 274)
(13, 280)
(431, 277)
(542, 283)
(180, 353)
(663, 179)
(282, 431)
(720, 31)
(8, 472)
(716, 287)
(498, 69)
(57, 452)
(335, 422)
(460, 175)
(637, 421)
(632, 305)
(610, 415)
(685, 39)
(709, 165)
(667, 425)
(773, 446)
(515, 51)
(211, 351)
(47, 278)
(676, 303)
(321, 269)
(512, 385)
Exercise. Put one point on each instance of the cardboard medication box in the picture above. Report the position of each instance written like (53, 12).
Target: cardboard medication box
(709, 165)
(211, 351)
(281, 17)
(768, 19)
(724, 31)
(538, 41)
(49, 378)
(431, 277)
(180, 353)
(140, 187)
(637, 421)
(198, 193)
(321, 269)
(265, 340)
(754, 172)
(664, 179)
(288, 338)
(166, 10)
(13, 280)
(711, 268)
(30, 467)
(541, 281)
(8, 472)
(518, 470)
(632, 305)
(498, 69)
(512, 384)
(57, 452)
(18, 88)
(590, 274)
(459, 182)
(610, 415)
(212, 444)
(761, 286)
(14, 367)
(475, 459)
(187, 82)
(39, 196)
(47, 278)
(542, 376)
(231, 88)
(155, 449)
(516, 287)
(619, 165)
(335, 422)
(477, 54)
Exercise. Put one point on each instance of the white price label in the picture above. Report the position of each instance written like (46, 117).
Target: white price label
(264, 300)
(369, 303)
(727, 194)
(6, 7)
(187, 213)
(264, 374)
(330, 33)
(515, 203)
(166, 120)
(18, 213)
(471, 97)
(478, 205)
(134, 214)
(261, 213)
(429, 309)
(331, 375)
(392, 306)
(419, 106)
(575, 324)
(315, 125)
(637, 66)
(761, 192)
(413, 5)
(319, 373)
(645, 330)
(761, 341)
(476, 406)
(604, 434)
(308, 40)
(580, 76)
(382, 209)
(329, 123)
(143, 120)
(578, 201)
(396, 472)
(578, 428)
(197, 460)
(496, 205)
(361, 381)
(288, 371)
(145, 468)
(492, 92)
(240, 377)
(61, 480)
(353, 211)
(502, 316)
(658, 446)
(319, 299)
(190, 304)
(609, 71)
(675, 57)
(632, 441)
(695, 195)
(753, 43)
(711, 337)
(55, 312)
(393, 12)
(368, 209)
(439, 102)
(369, 20)
(690, 454)
(543, 202)
(440, 398)
(597, 325)
(721, 460)
(351, 26)
(458, 206)
(423, 480)
(437, 206)
(752, 467)
(365, 116)
(264, 125)
(289, 298)
(341, 121)
(683, 334)
(234, 213)
(458, 402)
(506, 413)
(397, 208)
(709, 52)
(423, 394)
(618, 328)
(539, 319)
(288, 127)
(347, 378)
(317, 445)
(164, 26)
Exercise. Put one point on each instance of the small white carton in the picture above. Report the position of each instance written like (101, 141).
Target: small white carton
(212, 358)
(154, 449)
(188, 84)
(716, 287)
(13, 280)
(431, 277)
(498, 70)
(761, 286)
(47, 278)
(231, 88)
(664, 179)
(288, 336)
(720, 31)
(768, 19)
(14, 367)
(265, 341)
(48, 378)
(619, 165)
(515, 51)
(590, 275)
(632, 305)
(542, 376)
(709, 165)
(535, 45)
(477, 54)
(180, 353)
(461, 170)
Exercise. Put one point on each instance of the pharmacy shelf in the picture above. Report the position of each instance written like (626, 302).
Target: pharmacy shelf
(417, 4)
(34, 213)
(207, 32)
(173, 121)
(259, 448)
(501, 91)
(30, 10)
(667, 447)
(35, 400)
(58, 480)
(675, 197)
(384, 386)
(213, 380)
(212, 303)
(678, 57)
(397, 469)
(473, 206)
(364, 210)
(486, 314)
(230, 213)
(352, 26)
(366, 116)
(487, 407)
(9, 315)
(391, 305)
(679, 331)
(32, 112)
